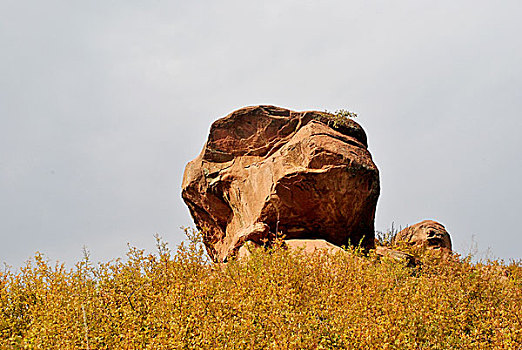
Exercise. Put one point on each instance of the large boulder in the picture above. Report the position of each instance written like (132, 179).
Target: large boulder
(427, 233)
(267, 171)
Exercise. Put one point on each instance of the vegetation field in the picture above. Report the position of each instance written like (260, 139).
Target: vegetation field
(276, 299)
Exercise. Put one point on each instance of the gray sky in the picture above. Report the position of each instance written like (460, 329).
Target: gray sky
(102, 103)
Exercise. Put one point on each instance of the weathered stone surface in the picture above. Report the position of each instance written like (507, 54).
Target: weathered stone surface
(266, 169)
(396, 255)
(428, 233)
(309, 246)
(305, 246)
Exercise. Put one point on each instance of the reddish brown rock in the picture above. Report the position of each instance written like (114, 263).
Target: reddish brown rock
(310, 246)
(428, 233)
(314, 246)
(266, 169)
(396, 255)
(305, 246)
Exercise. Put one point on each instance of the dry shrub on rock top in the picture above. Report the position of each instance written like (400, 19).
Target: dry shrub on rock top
(277, 299)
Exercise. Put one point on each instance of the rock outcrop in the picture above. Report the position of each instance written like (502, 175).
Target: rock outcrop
(306, 246)
(396, 255)
(312, 246)
(428, 233)
(268, 171)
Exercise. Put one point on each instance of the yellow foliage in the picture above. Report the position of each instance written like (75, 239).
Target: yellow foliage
(273, 300)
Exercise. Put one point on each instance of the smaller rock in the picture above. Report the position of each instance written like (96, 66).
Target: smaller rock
(396, 255)
(309, 246)
(427, 233)
(306, 246)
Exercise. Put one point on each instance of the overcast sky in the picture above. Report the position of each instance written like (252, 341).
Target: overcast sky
(102, 104)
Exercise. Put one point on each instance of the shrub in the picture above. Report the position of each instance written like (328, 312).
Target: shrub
(275, 299)
(340, 120)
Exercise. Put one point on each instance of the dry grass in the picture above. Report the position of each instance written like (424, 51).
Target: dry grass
(274, 300)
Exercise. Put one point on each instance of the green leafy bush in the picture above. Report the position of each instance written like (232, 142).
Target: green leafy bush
(339, 119)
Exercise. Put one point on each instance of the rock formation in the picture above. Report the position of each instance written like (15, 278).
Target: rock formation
(428, 233)
(396, 255)
(266, 171)
(306, 246)
(312, 246)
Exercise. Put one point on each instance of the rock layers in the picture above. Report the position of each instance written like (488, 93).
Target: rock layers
(266, 171)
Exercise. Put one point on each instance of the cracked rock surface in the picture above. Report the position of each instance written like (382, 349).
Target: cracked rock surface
(265, 169)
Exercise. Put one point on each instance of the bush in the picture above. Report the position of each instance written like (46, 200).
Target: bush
(275, 299)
